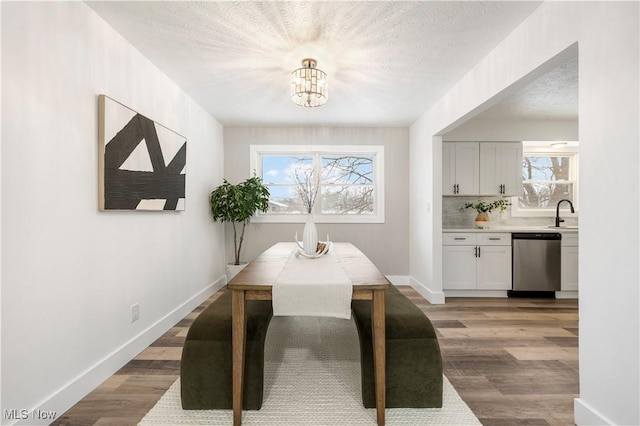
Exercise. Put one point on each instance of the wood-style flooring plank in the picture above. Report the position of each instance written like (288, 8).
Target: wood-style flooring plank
(513, 361)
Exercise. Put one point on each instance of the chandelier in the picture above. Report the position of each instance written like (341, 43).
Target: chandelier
(309, 85)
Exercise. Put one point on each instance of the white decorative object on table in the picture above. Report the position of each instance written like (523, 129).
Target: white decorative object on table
(320, 248)
(307, 188)
(309, 236)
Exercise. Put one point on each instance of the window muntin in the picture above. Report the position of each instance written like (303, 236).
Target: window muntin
(545, 181)
(346, 186)
(548, 176)
(350, 188)
(279, 175)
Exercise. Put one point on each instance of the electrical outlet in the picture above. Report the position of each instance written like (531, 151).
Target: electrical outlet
(135, 312)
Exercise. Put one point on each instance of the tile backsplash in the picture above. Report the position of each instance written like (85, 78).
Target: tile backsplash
(454, 215)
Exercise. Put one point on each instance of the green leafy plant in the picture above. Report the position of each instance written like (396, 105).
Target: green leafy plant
(484, 207)
(236, 204)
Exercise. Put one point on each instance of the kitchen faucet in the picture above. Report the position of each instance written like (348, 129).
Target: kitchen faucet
(558, 219)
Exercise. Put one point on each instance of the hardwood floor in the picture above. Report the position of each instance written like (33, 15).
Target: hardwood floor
(513, 361)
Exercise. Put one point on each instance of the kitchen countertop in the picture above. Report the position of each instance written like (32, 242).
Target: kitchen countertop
(514, 228)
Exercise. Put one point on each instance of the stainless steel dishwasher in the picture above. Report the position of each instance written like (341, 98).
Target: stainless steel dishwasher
(536, 263)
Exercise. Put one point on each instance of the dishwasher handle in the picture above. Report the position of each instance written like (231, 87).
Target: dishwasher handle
(536, 236)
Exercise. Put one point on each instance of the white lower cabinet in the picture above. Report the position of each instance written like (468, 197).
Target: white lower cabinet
(476, 261)
(569, 263)
(459, 271)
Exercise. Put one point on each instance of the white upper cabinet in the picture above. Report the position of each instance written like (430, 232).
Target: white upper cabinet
(482, 168)
(501, 168)
(460, 168)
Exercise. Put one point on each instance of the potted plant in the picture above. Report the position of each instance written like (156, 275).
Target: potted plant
(484, 208)
(236, 204)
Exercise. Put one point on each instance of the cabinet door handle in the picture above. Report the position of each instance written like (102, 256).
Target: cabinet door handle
(494, 239)
(457, 188)
(475, 252)
(459, 238)
(478, 251)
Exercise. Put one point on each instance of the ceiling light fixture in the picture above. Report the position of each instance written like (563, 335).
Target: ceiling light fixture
(309, 85)
(558, 145)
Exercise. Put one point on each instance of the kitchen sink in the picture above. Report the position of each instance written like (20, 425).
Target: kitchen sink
(563, 227)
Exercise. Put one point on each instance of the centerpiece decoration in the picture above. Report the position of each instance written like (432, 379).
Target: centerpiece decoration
(308, 188)
(484, 208)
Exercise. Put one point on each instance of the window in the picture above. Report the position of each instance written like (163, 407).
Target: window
(547, 177)
(345, 182)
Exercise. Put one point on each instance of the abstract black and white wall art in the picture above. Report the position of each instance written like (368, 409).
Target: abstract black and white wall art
(142, 163)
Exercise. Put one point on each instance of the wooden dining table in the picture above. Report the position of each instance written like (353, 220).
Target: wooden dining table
(255, 283)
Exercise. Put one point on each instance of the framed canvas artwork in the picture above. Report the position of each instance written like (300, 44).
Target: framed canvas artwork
(142, 163)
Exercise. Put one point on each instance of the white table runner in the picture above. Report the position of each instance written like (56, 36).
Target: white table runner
(312, 287)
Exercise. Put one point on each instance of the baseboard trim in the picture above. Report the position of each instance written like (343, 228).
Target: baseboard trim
(476, 293)
(434, 297)
(64, 398)
(566, 294)
(584, 414)
(398, 279)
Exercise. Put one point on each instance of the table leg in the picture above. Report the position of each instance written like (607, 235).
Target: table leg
(378, 332)
(238, 331)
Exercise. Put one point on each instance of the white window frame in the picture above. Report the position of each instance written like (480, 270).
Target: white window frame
(571, 152)
(377, 151)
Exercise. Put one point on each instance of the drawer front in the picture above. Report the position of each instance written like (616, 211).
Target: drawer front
(494, 239)
(459, 238)
(569, 240)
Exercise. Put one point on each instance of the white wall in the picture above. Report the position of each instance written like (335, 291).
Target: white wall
(69, 272)
(386, 244)
(607, 35)
(514, 130)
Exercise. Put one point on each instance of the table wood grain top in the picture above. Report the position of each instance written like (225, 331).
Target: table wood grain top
(261, 273)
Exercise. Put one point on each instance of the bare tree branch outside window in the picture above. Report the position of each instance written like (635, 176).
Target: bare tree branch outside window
(545, 181)
(347, 185)
(342, 183)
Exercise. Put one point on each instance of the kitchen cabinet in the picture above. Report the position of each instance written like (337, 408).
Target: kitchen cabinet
(569, 262)
(460, 168)
(476, 261)
(501, 168)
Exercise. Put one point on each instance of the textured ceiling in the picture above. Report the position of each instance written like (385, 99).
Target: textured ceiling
(387, 62)
(552, 96)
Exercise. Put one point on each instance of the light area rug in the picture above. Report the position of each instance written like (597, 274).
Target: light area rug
(312, 377)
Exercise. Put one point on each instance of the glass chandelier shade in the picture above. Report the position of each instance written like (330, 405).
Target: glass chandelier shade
(309, 85)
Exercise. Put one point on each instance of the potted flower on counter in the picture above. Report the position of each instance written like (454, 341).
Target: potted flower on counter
(484, 208)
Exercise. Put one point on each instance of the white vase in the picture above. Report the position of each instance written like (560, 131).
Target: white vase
(233, 269)
(310, 236)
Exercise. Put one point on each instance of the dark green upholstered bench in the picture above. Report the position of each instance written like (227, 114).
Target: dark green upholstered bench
(205, 370)
(413, 360)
